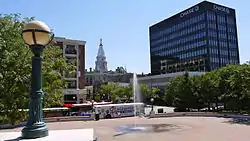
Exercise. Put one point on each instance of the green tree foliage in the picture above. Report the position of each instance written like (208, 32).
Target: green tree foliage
(228, 85)
(111, 89)
(53, 83)
(125, 93)
(117, 92)
(235, 85)
(147, 93)
(180, 92)
(145, 90)
(15, 70)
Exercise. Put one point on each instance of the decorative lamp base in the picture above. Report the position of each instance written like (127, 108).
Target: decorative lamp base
(36, 130)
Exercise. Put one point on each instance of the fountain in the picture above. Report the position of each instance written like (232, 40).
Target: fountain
(136, 93)
(135, 128)
(137, 99)
(137, 96)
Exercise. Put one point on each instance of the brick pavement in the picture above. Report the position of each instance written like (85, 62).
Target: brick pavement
(171, 129)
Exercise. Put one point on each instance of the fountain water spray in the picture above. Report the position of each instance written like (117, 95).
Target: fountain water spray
(136, 94)
(137, 99)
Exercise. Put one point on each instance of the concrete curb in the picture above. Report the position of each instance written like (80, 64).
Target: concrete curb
(10, 126)
(71, 118)
(48, 120)
(199, 114)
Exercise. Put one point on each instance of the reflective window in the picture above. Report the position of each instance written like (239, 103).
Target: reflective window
(230, 20)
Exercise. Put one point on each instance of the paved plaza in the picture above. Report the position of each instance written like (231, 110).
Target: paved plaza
(161, 129)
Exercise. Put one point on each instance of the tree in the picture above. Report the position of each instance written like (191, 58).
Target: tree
(205, 87)
(229, 85)
(155, 92)
(179, 93)
(147, 93)
(171, 91)
(97, 97)
(117, 92)
(196, 88)
(186, 96)
(15, 70)
(126, 92)
(234, 83)
(111, 89)
(54, 64)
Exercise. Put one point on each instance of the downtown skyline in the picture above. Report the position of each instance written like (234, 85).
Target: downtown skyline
(123, 26)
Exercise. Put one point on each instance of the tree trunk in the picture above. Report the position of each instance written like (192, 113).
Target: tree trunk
(216, 104)
(208, 106)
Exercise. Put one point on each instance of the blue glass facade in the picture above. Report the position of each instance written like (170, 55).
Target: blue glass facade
(201, 38)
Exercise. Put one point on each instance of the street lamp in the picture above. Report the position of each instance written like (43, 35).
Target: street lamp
(37, 35)
(92, 102)
(152, 102)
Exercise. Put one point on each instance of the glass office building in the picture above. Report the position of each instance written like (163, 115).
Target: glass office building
(200, 38)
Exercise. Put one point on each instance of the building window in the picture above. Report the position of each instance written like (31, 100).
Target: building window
(230, 20)
(71, 97)
(71, 84)
(87, 80)
(70, 49)
(71, 61)
(90, 81)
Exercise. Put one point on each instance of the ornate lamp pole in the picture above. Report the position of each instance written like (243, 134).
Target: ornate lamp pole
(37, 35)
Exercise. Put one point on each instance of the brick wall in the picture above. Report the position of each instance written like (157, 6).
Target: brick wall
(82, 66)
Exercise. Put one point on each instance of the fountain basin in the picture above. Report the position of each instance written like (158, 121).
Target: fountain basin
(137, 128)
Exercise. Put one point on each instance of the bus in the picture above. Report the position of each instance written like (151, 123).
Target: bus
(119, 110)
(55, 112)
(83, 109)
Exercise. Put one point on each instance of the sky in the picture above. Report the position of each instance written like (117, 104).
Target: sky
(123, 25)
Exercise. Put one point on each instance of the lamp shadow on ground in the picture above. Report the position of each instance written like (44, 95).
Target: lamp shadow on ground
(242, 121)
(16, 139)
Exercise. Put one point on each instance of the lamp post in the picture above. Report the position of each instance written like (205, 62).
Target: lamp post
(152, 102)
(37, 35)
(92, 102)
(151, 91)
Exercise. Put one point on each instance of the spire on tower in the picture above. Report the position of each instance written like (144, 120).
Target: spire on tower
(101, 63)
(101, 50)
(101, 42)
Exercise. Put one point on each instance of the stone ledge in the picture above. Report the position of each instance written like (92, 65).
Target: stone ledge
(47, 120)
(197, 114)
(70, 118)
(60, 135)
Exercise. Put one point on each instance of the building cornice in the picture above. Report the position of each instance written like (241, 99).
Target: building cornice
(62, 39)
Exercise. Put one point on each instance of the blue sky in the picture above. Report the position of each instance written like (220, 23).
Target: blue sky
(122, 24)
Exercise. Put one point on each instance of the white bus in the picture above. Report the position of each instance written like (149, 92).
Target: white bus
(119, 110)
